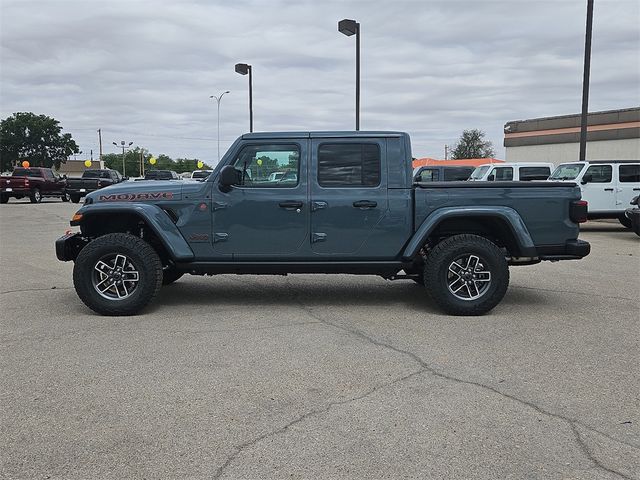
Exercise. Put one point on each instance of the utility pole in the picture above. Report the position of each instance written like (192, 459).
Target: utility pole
(446, 152)
(141, 163)
(100, 141)
(585, 82)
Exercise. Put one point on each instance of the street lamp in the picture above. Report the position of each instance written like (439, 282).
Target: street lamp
(243, 69)
(218, 99)
(351, 27)
(124, 146)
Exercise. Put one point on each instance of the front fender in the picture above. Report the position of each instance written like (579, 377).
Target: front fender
(156, 219)
(507, 214)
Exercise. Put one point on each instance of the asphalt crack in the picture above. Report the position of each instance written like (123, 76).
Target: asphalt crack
(424, 367)
(240, 448)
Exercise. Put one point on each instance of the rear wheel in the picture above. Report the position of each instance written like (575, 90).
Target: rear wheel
(117, 274)
(75, 198)
(36, 196)
(65, 197)
(4, 199)
(625, 221)
(466, 275)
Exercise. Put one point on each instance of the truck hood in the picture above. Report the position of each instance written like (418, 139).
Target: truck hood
(142, 191)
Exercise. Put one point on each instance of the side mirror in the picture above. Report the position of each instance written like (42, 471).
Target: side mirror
(586, 179)
(491, 178)
(229, 176)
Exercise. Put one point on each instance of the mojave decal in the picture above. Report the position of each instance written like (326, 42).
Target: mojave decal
(132, 197)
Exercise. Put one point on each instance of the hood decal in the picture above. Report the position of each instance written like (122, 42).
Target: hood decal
(135, 197)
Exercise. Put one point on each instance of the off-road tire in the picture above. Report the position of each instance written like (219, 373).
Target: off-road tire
(143, 257)
(436, 273)
(4, 198)
(419, 279)
(625, 221)
(170, 275)
(36, 196)
(75, 198)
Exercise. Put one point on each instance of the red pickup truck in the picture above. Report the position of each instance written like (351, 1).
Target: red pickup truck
(35, 183)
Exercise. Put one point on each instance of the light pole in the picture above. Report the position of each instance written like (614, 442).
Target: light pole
(124, 146)
(243, 69)
(585, 82)
(218, 99)
(348, 28)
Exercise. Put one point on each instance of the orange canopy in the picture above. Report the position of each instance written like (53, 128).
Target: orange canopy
(472, 162)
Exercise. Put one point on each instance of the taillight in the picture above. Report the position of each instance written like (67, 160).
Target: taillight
(578, 211)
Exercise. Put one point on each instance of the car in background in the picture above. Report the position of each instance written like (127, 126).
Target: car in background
(508, 172)
(607, 185)
(161, 175)
(35, 183)
(200, 174)
(91, 181)
(442, 173)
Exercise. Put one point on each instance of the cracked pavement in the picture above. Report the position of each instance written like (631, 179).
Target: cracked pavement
(326, 376)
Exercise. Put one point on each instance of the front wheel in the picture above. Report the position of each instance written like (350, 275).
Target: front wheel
(466, 275)
(117, 274)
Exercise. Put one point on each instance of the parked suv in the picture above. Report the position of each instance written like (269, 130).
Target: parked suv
(608, 185)
(519, 172)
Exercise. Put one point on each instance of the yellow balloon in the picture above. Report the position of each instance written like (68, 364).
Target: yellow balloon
(200, 164)
(259, 162)
(87, 163)
(152, 161)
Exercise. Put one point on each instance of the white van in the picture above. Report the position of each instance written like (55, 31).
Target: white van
(507, 172)
(608, 185)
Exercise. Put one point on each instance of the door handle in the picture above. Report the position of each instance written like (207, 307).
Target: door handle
(290, 204)
(365, 204)
(608, 189)
(636, 189)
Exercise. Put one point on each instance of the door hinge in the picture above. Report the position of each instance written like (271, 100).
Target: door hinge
(318, 237)
(220, 237)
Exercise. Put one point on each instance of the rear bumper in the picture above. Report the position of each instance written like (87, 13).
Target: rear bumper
(571, 250)
(68, 246)
(13, 191)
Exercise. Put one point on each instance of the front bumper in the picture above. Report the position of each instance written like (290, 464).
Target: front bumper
(571, 250)
(68, 246)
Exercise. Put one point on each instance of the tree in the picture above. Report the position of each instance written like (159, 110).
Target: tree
(163, 162)
(36, 138)
(472, 144)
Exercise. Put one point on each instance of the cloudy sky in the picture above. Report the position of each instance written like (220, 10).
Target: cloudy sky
(143, 70)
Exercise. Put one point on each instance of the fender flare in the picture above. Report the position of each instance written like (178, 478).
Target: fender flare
(153, 216)
(506, 214)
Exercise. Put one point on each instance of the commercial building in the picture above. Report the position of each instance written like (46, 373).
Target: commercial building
(611, 135)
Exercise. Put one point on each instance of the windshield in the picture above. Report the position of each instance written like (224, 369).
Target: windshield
(568, 171)
(479, 172)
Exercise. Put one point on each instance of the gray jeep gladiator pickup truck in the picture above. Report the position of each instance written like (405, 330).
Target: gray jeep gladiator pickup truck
(342, 202)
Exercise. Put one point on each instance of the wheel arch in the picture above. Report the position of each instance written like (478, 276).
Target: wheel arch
(148, 221)
(502, 225)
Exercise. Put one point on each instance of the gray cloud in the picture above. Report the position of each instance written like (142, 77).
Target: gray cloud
(143, 70)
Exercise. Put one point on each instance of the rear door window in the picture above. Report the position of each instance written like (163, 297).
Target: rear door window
(349, 165)
(456, 174)
(629, 173)
(534, 173)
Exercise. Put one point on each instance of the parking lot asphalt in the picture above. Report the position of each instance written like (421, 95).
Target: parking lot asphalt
(325, 376)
